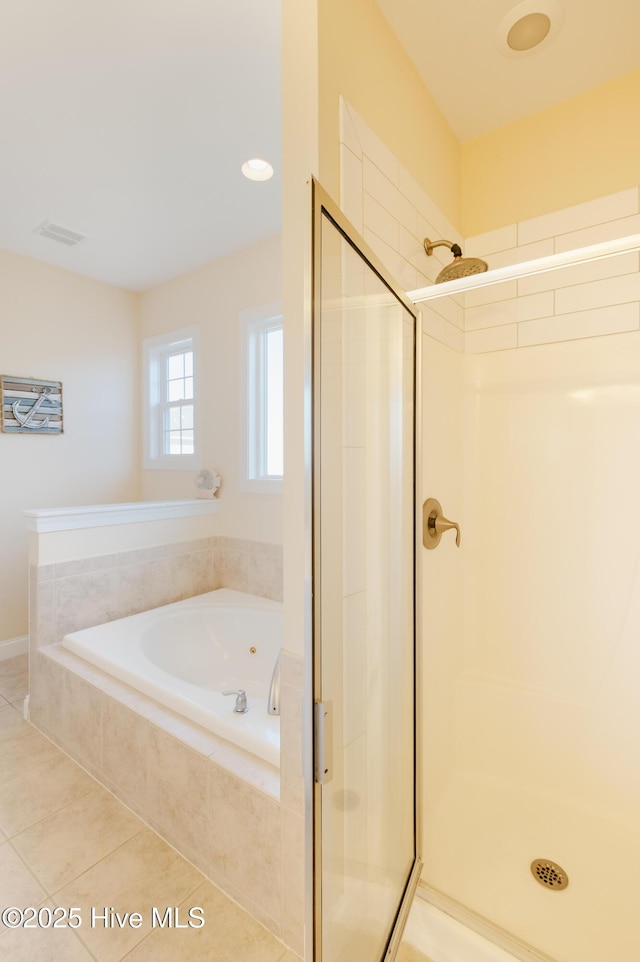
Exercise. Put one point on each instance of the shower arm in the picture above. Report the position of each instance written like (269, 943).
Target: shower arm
(429, 245)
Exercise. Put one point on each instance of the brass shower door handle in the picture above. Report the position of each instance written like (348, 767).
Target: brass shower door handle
(434, 524)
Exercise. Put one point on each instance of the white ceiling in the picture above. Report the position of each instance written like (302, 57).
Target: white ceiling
(128, 121)
(478, 87)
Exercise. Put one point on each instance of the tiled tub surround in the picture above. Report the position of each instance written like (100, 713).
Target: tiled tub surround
(216, 804)
(65, 840)
(186, 655)
(71, 595)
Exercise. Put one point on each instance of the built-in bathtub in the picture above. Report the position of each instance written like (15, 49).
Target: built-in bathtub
(234, 815)
(184, 655)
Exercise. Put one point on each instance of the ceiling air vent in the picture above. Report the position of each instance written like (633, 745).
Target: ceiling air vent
(62, 234)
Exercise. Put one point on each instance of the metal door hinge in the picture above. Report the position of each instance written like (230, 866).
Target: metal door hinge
(323, 742)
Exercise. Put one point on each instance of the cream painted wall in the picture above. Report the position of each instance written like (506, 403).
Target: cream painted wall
(578, 150)
(60, 326)
(361, 59)
(299, 163)
(213, 297)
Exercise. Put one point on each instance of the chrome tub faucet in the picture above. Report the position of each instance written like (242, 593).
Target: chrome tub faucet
(241, 700)
(273, 701)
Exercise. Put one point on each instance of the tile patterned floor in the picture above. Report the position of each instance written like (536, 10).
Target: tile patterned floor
(66, 842)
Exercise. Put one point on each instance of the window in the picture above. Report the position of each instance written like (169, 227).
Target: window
(262, 399)
(170, 363)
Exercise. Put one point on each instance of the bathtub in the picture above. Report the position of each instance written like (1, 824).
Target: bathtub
(185, 654)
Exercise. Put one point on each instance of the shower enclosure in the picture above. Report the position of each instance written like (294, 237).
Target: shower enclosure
(528, 745)
(364, 379)
(531, 661)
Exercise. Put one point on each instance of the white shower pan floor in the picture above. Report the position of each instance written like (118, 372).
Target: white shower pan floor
(443, 939)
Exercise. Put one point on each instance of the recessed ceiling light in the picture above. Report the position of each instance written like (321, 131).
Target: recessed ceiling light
(527, 25)
(257, 169)
(529, 31)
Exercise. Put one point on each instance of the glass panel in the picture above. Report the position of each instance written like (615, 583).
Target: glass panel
(175, 390)
(175, 366)
(274, 397)
(187, 416)
(174, 443)
(188, 387)
(188, 363)
(366, 591)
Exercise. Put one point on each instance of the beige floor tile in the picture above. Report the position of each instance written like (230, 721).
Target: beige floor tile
(17, 885)
(11, 721)
(67, 843)
(228, 935)
(23, 750)
(142, 873)
(42, 944)
(40, 792)
(290, 956)
(15, 689)
(14, 678)
(14, 666)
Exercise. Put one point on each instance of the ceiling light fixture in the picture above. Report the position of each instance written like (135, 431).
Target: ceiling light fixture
(529, 31)
(257, 169)
(527, 25)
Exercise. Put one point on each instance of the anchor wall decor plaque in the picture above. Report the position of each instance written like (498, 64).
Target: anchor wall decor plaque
(30, 406)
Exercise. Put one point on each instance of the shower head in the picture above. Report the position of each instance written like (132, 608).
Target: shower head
(460, 266)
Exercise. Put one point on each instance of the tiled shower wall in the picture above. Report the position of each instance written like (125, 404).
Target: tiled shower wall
(590, 300)
(72, 595)
(394, 215)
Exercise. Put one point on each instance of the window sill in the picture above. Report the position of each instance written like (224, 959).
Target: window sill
(176, 463)
(262, 486)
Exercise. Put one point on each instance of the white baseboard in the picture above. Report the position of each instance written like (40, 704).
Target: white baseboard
(14, 646)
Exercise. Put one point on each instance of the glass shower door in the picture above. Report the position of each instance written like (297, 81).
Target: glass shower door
(364, 599)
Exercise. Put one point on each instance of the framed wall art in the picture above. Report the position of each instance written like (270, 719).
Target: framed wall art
(30, 405)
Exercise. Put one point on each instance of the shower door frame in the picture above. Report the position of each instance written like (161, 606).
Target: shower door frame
(323, 205)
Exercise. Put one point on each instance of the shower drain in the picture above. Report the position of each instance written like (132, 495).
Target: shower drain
(549, 874)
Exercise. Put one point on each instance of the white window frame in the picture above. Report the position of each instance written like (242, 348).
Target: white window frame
(154, 351)
(253, 325)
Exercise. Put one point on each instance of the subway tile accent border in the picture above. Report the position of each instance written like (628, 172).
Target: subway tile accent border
(393, 213)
